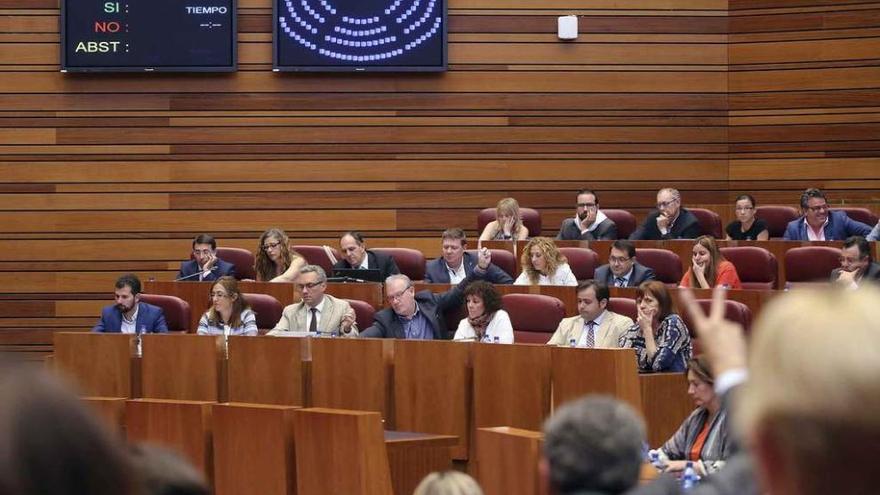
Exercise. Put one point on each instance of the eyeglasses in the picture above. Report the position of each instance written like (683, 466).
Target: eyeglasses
(816, 209)
(665, 204)
(587, 206)
(615, 259)
(270, 245)
(219, 294)
(395, 297)
(310, 285)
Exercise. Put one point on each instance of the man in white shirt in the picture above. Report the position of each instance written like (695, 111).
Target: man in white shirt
(318, 312)
(595, 326)
(456, 264)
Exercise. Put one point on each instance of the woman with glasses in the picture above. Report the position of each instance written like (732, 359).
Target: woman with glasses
(229, 314)
(746, 227)
(709, 268)
(659, 336)
(275, 260)
(486, 321)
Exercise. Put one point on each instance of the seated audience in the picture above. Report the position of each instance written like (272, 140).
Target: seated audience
(595, 326)
(660, 337)
(356, 255)
(669, 221)
(709, 268)
(746, 227)
(703, 438)
(486, 321)
(507, 225)
(592, 445)
(622, 269)
(129, 314)
(229, 314)
(275, 260)
(318, 312)
(856, 264)
(543, 264)
(819, 223)
(205, 264)
(589, 223)
(164, 472)
(448, 483)
(456, 264)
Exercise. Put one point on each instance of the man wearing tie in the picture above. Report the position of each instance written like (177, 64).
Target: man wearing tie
(205, 265)
(623, 270)
(595, 326)
(317, 312)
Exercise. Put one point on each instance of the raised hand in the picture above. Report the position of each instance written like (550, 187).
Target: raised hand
(722, 340)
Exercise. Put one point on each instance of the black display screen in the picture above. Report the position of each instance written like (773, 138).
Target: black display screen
(148, 35)
(360, 35)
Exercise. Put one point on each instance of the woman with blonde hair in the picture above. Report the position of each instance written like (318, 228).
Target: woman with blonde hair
(275, 261)
(507, 225)
(229, 314)
(709, 268)
(448, 483)
(543, 264)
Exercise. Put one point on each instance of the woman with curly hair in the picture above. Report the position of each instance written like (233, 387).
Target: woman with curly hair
(275, 260)
(543, 264)
(486, 320)
(507, 225)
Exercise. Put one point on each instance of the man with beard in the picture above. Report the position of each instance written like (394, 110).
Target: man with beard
(589, 222)
(129, 314)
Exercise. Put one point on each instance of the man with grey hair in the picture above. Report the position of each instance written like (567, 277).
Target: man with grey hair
(592, 445)
(318, 312)
(669, 220)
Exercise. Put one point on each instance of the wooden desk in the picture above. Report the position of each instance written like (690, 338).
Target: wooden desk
(412, 456)
(100, 364)
(507, 461)
(577, 372)
(267, 370)
(183, 367)
(665, 404)
(511, 385)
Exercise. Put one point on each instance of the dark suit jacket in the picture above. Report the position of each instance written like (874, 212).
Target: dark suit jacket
(191, 267)
(871, 275)
(686, 226)
(386, 324)
(839, 227)
(149, 317)
(570, 231)
(640, 274)
(379, 261)
(436, 273)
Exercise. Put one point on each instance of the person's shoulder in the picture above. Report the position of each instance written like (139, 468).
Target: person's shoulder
(567, 222)
(292, 308)
(108, 309)
(335, 301)
(726, 265)
(571, 320)
(150, 308)
(619, 319)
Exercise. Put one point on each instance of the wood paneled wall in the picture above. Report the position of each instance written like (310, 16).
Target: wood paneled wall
(105, 173)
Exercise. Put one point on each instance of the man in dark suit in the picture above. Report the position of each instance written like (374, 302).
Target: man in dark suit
(588, 223)
(129, 314)
(456, 264)
(819, 223)
(623, 270)
(356, 255)
(205, 265)
(856, 265)
(669, 220)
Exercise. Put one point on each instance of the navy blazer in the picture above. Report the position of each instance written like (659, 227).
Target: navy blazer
(839, 227)
(191, 268)
(436, 272)
(640, 273)
(386, 323)
(380, 261)
(686, 226)
(149, 318)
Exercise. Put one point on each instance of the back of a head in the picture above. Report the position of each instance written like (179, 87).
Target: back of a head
(448, 483)
(594, 444)
(814, 388)
(50, 444)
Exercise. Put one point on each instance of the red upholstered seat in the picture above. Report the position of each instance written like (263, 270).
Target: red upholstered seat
(626, 222)
(410, 261)
(534, 316)
(666, 264)
(241, 258)
(530, 217)
(176, 310)
(863, 215)
(501, 258)
(756, 267)
(810, 265)
(733, 311)
(777, 218)
(583, 261)
(363, 312)
(623, 306)
(315, 255)
(710, 222)
(267, 308)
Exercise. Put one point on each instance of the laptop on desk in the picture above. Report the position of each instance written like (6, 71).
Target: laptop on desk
(356, 275)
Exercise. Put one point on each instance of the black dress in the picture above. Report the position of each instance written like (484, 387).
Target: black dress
(734, 230)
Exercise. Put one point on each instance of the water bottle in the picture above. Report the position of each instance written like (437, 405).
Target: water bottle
(689, 478)
(496, 340)
(139, 341)
(572, 343)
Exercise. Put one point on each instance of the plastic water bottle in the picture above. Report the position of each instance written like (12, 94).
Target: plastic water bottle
(689, 478)
(572, 343)
(139, 341)
(496, 340)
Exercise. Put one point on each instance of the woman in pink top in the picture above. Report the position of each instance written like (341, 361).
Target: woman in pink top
(709, 268)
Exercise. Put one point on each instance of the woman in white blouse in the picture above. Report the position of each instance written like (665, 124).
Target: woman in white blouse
(229, 314)
(543, 264)
(486, 321)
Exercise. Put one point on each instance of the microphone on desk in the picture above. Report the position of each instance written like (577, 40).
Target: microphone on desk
(196, 274)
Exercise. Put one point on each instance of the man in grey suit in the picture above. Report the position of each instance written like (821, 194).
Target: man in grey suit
(317, 312)
(856, 265)
(623, 270)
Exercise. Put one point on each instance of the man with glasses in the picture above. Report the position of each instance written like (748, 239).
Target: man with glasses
(317, 313)
(204, 265)
(356, 255)
(622, 269)
(819, 223)
(669, 220)
(856, 264)
(589, 222)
